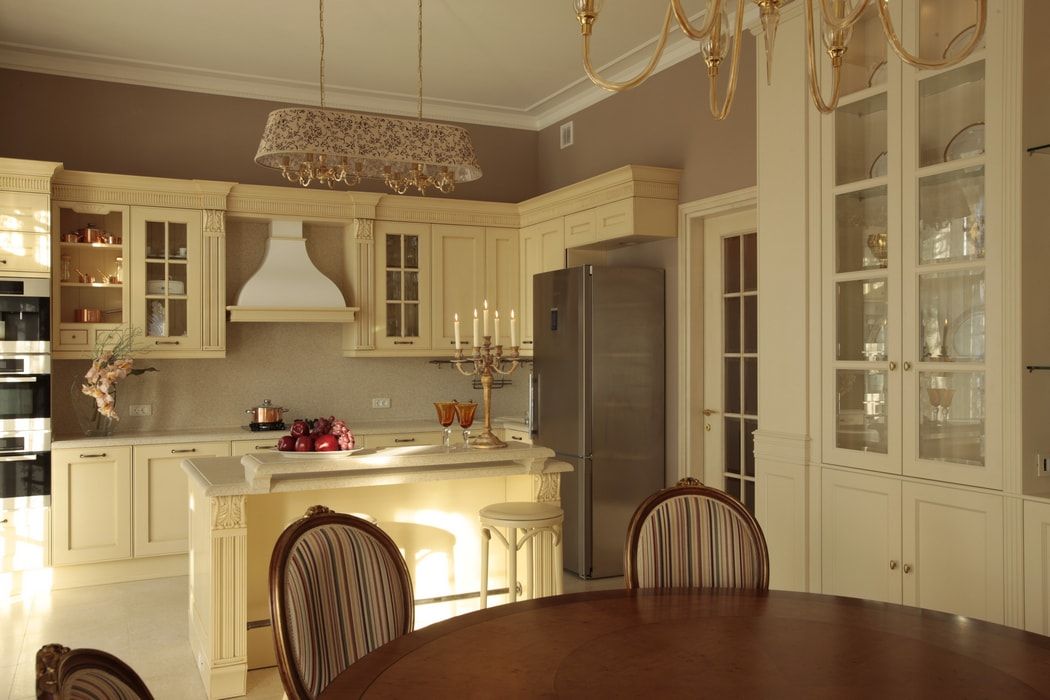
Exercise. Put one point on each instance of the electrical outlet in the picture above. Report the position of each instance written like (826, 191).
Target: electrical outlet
(1042, 465)
(381, 403)
(142, 409)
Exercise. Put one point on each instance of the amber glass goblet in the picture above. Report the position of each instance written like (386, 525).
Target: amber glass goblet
(466, 412)
(446, 412)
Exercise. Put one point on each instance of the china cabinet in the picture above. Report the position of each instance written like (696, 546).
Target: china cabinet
(402, 286)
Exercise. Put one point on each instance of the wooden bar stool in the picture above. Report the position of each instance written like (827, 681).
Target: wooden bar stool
(534, 520)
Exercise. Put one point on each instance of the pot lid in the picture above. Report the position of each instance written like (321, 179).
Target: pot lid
(267, 403)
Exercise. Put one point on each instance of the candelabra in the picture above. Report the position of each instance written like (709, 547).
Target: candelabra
(487, 361)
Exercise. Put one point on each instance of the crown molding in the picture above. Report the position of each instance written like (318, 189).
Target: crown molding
(556, 107)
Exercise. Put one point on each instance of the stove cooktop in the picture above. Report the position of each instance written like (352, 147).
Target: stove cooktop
(266, 427)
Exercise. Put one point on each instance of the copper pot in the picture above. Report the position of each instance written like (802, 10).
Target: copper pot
(71, 237)
(90, 234)
(87, 315)
(266, 412)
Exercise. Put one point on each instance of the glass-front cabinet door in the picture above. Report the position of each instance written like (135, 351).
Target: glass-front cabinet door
(166, 278)
(402, 285)
(862, 259)
(950, 281)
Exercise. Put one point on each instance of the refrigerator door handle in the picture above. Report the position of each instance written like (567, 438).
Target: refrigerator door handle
(534, 426)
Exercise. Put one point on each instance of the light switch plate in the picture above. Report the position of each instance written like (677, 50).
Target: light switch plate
(381, 403)
(142, 409)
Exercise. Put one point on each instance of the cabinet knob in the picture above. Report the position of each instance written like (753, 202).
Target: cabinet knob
(3, 521)
(907, 366)
(709, 411)
(893, 365)
(893, 564)
(907, 568)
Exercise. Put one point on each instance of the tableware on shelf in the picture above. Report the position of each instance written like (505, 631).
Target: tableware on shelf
(465, 412)
(877, 75)
(878, 166)
(878, 245)
(67, 269)
(165, 287)
(966, 337)
(967, 143)
(156, 324)
(959, 41)
(87, 315)
(446, 413)
(935, 394)
(71, 237)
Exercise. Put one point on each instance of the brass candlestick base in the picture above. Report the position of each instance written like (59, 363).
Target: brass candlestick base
(487, 361)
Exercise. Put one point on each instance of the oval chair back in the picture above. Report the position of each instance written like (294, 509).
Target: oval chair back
(339, 588)
(85, 674)
(694, 536)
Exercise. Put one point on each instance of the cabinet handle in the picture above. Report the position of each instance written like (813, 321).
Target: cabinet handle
(3, 261)
(907, 366)
(907, 568)
(515, 437)
(3, 521)
(265, 447)
(179, 452)
(709, 411)
(404, 439)
(92, 456)
(404, 342)
(893, 564)
(893, 365)
(526, 342)
(165, 342)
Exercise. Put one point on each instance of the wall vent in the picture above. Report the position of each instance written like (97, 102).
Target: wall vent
(566, 134)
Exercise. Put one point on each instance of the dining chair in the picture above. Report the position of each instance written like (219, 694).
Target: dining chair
(339, 588)
(694, 536)
(85, 674)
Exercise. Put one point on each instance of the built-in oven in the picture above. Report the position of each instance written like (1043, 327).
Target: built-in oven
(25, 393)
(25, 470)
(25, 315)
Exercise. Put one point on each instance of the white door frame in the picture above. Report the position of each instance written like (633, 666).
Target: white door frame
(691, 217)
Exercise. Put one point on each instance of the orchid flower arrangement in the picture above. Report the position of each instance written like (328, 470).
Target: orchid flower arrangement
(111, 362)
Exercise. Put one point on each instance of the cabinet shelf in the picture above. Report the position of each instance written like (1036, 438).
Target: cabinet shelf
(97, 246)
(870, 183)
(94, 285)
(176, 261)
(167, 296)
(860, 95)
(950, 166)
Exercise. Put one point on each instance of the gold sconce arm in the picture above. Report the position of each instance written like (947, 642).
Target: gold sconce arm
(814, 78)
(918, 62)
(714, 9)
(720, 113)
(638, 79)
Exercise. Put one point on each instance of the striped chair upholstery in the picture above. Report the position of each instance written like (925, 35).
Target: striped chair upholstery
(692, 536)
(85, 674)
(339, 588)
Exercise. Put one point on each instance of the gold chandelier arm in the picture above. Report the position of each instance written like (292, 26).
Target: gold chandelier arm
(722, 112)
(918, 62)
(845, 22)
(714, 9)
(636, 80)
(814, 78)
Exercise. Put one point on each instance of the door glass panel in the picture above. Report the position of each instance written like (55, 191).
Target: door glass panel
(412, 252)
(732, 324)
(861, 320)
(749, 270)
(733, 487)
(861, 237)
(732, 385)
(393, 285)
(952, 316)
(731, 264)
(156, 241)
(945, 26)
(402, 285)
(750, 426)
(393, 251)
(750, 385)
(860, 421)
(176, 240)
(393, 320)
(411, 286)
(864, 65)
(177, 317)
(951, 115)
(951, 427)
(411, 320)
(732, 444)
(951, 216)
(751, 324)
(860, 140)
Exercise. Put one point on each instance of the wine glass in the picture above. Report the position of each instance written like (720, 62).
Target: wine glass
(446, 412)
(466, 411)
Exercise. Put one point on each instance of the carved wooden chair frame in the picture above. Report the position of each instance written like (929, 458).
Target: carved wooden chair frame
(689, 486)
(55, 663)
(317, 516)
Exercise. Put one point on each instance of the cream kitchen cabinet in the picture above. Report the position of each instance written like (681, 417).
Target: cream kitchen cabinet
(914, 543)
(403, 303)
(25, 233)
(91, 505)
(512, 436)
(457, 281)
(581, 228)
(24, 541)
(542, 249)
(1037, 566)
(502, 273)
(160, 495)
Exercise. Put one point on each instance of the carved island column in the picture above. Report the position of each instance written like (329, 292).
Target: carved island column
(219, 592)
(360, 271)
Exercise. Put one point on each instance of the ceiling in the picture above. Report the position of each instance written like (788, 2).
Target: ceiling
(494, 62)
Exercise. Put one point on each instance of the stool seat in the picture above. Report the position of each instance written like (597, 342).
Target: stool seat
(539, 524)
(520, 511)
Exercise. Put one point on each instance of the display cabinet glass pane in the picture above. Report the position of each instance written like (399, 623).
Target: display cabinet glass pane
(732, 324)
(176, 247)
(156, 318)
(945, 26)
(751, 386)
(411, 320)
(951, 306)
(861, 233)
(751, 324)
(750, 426)
(732, 385)
(732, 444)
(951, 216)
(864, 64)
(393, 320)
(177, 325)
(731, 264)
(411, 286)
(393, 285)
(860, 411)
(750, 262)
(393, 251)
(951, 115)
(412, 252)
(156, 239)
(951, 427)
(860, 140)
(862, 319)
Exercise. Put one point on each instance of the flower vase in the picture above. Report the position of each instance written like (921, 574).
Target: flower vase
(93, 423)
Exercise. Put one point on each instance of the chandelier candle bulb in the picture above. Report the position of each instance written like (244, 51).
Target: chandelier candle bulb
(485, 316)
(455, 326)
(477, 335)
(495, 330)
(513, 330)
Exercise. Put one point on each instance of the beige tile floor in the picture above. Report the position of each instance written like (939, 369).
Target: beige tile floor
(144, 623)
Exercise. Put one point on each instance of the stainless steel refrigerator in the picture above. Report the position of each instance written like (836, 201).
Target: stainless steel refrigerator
(598, 387)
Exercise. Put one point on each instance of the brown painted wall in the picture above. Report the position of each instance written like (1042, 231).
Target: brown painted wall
(663, 122)
(134, 130)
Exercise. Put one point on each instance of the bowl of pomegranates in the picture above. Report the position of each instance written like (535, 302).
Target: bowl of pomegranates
(322, 436)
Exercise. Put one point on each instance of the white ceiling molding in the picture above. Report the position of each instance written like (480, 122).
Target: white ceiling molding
(554, 108)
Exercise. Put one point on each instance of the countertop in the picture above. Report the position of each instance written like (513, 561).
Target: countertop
(243, 433)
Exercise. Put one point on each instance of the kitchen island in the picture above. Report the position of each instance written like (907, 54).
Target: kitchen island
(425, 497)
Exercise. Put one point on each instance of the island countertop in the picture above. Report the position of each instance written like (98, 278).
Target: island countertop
(282, 472)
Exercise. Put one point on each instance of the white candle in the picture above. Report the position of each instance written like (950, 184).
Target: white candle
(477, 336)
(513, 330)
(485, 315)
(455, 325)
(495, 332)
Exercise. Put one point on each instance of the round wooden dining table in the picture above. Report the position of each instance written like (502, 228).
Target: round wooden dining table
(677, 643)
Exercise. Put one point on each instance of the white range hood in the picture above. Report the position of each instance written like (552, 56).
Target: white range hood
(286, 276)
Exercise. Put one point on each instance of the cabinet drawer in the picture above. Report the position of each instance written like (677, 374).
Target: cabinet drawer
(24, 536)
(581, 228)
(69, 337)
(91, 504)
(25, 212)
(24, 252)
(512, 436)
(399, 439)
